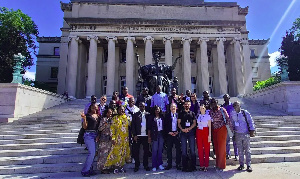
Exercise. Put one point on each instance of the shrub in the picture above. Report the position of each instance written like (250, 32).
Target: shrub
(269, 82)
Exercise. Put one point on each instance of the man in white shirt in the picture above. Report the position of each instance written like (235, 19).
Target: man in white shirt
(139, 128)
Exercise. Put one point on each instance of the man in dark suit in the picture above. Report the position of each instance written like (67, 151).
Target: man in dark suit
(171, 129)
(139, 128)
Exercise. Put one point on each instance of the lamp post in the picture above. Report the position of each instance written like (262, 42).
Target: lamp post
(17, 76)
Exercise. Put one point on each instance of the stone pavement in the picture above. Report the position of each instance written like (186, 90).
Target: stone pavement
(260, 171)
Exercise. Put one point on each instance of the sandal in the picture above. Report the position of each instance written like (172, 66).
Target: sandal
(205, 169)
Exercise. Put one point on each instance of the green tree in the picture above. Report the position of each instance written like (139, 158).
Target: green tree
(18, 34)
(290, 49)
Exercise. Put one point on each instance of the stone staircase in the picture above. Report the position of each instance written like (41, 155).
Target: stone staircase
(44, 144)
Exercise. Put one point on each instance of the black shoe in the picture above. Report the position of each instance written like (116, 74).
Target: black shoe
(185, 170)
(147, 168)
(236, 158)
(241, 167)
(86, 148)
(85, 174)
(228, 156)
(214, 156)
(201, 168)
(178, 167)
(168, 167)
(136, 169)
(249, 169)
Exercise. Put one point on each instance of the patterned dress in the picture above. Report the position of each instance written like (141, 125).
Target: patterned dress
(120, 151)
(104, 142)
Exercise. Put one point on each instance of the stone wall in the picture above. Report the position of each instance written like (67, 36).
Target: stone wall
(17, 100)
(284, 96)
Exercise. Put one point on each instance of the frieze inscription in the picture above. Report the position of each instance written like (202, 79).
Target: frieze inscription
(160, 29)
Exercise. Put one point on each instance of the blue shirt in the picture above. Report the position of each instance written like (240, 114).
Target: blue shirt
(239, 122)
(229, 108)
(160, 100)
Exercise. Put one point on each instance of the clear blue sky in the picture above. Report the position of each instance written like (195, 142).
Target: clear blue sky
(262, 19)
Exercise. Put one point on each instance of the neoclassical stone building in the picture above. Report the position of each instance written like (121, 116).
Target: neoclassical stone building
(101, 40)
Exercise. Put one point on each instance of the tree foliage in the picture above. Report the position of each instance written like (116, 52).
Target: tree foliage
(290, 49)
(18, 34)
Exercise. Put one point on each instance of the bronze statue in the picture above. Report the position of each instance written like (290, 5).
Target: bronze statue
(155, 74)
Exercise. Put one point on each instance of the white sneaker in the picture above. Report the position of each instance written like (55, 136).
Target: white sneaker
(132, 161)
(161, 167)
(154, 169)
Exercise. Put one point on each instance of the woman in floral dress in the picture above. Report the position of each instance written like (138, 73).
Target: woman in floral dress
(120, 151)
(104, 139)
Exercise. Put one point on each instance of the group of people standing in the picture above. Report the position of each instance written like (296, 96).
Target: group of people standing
(115, 132)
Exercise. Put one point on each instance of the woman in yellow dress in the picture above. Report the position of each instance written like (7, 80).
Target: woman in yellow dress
(120, 151)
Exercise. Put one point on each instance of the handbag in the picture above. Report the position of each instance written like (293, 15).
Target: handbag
(80, 139)
(252, 134)
(229, 132)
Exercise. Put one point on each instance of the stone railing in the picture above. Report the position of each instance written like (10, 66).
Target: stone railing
(283, 96)
(17, 100)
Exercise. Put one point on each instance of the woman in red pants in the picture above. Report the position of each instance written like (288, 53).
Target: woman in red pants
(203, 137)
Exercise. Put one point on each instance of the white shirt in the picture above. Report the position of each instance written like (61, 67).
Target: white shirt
(133, 109)
(202, 120)
(174, 122)
(143, 124)
(159, 124)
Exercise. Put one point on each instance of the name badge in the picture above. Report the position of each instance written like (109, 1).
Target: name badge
(187, 124)
(237, 123)
(145, 104)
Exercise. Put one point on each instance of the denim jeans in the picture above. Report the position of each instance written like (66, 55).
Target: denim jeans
(89, 139)
(157, 147)
(190, 137)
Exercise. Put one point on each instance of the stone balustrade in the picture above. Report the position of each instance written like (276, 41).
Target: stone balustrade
(17, 100)
(283, 96)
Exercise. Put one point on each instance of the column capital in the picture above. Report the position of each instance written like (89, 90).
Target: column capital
(113, 38)
(236, 39)
(189, 39)
(73, 37)
(221, 39)
(168, 38)
(148, 38)
(93, 37)
(129, 38)
(203, 39)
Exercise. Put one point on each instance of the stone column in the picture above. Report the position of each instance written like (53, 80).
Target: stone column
(202, 68)
(111, 62)
(72, 66)
(130, 64)
(187, 83)
(221, 67)
(168, 50)
(148, 49)
(239, 85)
(91, 80)
(63, 62)
(247, 67)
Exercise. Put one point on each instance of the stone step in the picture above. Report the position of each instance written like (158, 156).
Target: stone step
(275, 138)
(268, 125)
(40, 168)
(275, 133)
(41, 131)
(262, 144)
(33, 136)
(39, 140)
(38, 146)
(39, 152)
(295, 128)
(41, 126)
